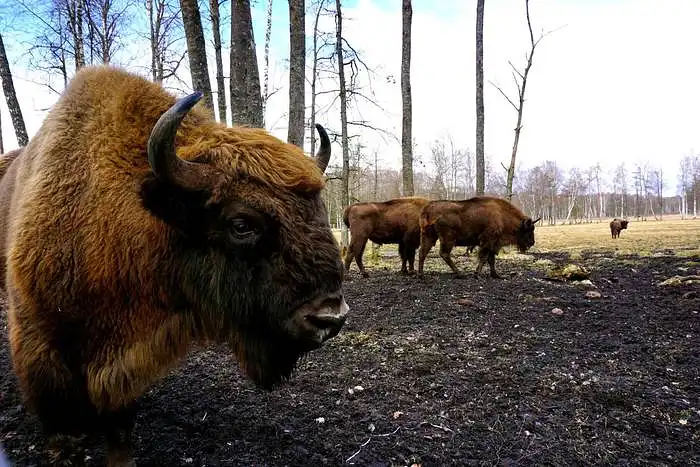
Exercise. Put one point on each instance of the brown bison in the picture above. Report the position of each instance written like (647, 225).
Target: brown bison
(616, 226)
(487, 222)
(137, 227)
(393, 221)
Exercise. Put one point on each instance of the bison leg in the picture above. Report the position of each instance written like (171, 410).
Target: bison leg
(404, 258)
(445, 250)
(483, 257)
(411, 255)
(118, 428)
(355, 250)
(427, 242)
(66, 450)
(492, 265)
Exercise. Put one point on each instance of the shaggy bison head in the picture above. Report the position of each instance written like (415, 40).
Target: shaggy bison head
(253, 262)
(525, 235)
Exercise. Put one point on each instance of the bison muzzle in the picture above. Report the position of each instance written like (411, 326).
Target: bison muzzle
(135, 226)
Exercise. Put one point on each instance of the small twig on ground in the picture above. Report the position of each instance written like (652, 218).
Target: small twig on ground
(347, 461)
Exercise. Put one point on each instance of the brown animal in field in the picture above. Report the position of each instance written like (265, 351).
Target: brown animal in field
(393, 221)
(137, 227)
(616, 226)
(484, 221)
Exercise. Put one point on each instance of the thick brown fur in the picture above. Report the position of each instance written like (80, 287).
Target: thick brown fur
(484, 221)
(112, 273)
(393, 221)
(617, 226)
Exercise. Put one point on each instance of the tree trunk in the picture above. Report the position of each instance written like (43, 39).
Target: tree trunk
(480, 166)
(2, 145)
(266, 59)
(220, 87)
(196, 50)
(246, 100)
(297, 67)
(314, 73)
(8, 88)
(407, 118)
(343, 115)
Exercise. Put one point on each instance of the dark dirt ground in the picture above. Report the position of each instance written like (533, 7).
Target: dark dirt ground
(497, 379)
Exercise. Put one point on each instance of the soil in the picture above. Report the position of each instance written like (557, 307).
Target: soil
(445, 371)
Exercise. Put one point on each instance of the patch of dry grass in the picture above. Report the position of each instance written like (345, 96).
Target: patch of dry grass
(643, 238)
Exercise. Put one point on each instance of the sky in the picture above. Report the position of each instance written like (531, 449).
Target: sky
(616, 80)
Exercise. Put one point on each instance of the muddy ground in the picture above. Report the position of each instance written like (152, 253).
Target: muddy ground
(446, 372)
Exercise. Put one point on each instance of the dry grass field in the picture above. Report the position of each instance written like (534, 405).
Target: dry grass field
(641, 238)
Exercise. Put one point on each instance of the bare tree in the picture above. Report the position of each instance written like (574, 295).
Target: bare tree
(343, 112)
(314, 76)
(297, 65)
(520, 79)
(220, 87)
(246, 100)
(8, 88)
(407, 118)
(163, 20)
(104, 20)
(480, 97)
(196, 50)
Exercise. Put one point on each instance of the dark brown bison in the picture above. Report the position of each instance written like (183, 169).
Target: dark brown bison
(616, 226)
(393, 221)
(139, 226)
(487, 222)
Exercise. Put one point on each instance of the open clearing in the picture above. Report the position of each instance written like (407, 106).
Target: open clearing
(441, 371)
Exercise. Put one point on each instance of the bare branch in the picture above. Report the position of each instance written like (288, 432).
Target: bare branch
(504, 95)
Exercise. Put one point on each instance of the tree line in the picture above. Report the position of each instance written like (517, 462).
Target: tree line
(69, 34)
(547, 190)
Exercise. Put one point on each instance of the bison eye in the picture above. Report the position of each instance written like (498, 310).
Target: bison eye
(244, 229)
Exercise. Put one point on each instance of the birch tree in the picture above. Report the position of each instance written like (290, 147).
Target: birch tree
(480, 167)
(407, 117)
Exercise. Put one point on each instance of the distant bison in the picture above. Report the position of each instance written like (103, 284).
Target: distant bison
(616, 226)
(487, 222)
(393, 221)
(134, 226)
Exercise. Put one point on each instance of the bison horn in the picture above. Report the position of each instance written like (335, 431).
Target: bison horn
(536, 221)
(323, 156)
(161, 149)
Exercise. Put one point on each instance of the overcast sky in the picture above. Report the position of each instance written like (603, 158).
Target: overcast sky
(617, 81)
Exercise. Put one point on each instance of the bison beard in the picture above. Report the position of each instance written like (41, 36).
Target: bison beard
(121, 254)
